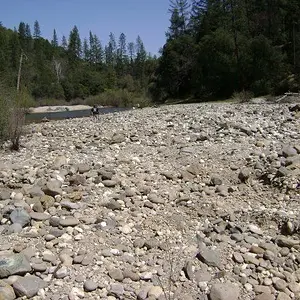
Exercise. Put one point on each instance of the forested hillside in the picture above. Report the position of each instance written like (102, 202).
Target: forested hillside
(217, 47)
(213, 48)
(72, 67)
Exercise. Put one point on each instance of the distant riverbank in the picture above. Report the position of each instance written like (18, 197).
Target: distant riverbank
(45, 109)
(67, 112)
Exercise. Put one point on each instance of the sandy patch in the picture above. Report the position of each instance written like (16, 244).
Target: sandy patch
(43, 109)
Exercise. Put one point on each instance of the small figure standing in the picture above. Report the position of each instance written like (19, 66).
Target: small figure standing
(95, 111)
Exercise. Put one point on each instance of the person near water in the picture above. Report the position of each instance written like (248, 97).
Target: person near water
(95, 110)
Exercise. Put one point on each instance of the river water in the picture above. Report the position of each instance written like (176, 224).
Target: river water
(68, 114)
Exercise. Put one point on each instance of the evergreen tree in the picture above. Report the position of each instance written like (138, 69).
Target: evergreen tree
(86, 50)
(197, 16)
(36, 30)
(64, 42)
(54, 41)
(110, 51)
(141, 56)
(22, 34)
(121, 54)
(74, 46)
(96, 51)
(27, 31)
(179, 10)
(122, 47)
(131, 51)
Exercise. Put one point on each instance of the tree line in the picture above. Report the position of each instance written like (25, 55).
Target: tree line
(217, 47)
(213, 49)
(72, 67)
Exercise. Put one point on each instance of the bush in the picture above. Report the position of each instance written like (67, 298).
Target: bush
(12, 115)
(242, 97)
(118, 98)
(142, 101)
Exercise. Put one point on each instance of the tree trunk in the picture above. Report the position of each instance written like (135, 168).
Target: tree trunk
(20, 70)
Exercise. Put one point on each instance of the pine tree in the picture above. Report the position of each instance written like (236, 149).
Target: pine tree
(141, 56)
(27, 31)
(176, 26)
(96, 51)
(122, 46)
(64, 42)
(54, 41)
(131, 51)
(179, 10)
(86, 50)
(22, 32)
(197, 15)
(92, 47)
(110, 51)
(36, 30)
(74, 46)
(121, 54)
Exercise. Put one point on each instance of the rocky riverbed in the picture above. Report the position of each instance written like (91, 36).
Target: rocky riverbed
(176, 202)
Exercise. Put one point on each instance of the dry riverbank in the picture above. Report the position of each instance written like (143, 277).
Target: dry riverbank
(201, 200)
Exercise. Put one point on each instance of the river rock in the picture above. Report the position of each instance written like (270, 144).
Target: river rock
(28, 286)
(90, 285)
(6, 291)
(53, 188)
(224, 291)
(15, 264)
(20, 216)
(209, 257)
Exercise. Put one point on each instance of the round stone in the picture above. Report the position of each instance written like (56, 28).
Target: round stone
(90, 285)
(280, 284)
(155, 291)
(268, 281)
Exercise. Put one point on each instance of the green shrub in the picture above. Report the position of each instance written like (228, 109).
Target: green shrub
(242, 97)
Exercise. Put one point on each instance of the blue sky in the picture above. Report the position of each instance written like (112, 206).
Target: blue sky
(147, 18)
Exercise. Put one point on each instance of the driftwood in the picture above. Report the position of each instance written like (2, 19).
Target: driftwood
(292, 94)
(286, 95)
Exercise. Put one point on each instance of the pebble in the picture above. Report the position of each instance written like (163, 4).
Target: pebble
(90, 286)
(116, 274)
(224, 291)
(69, 221)
(155, 291)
